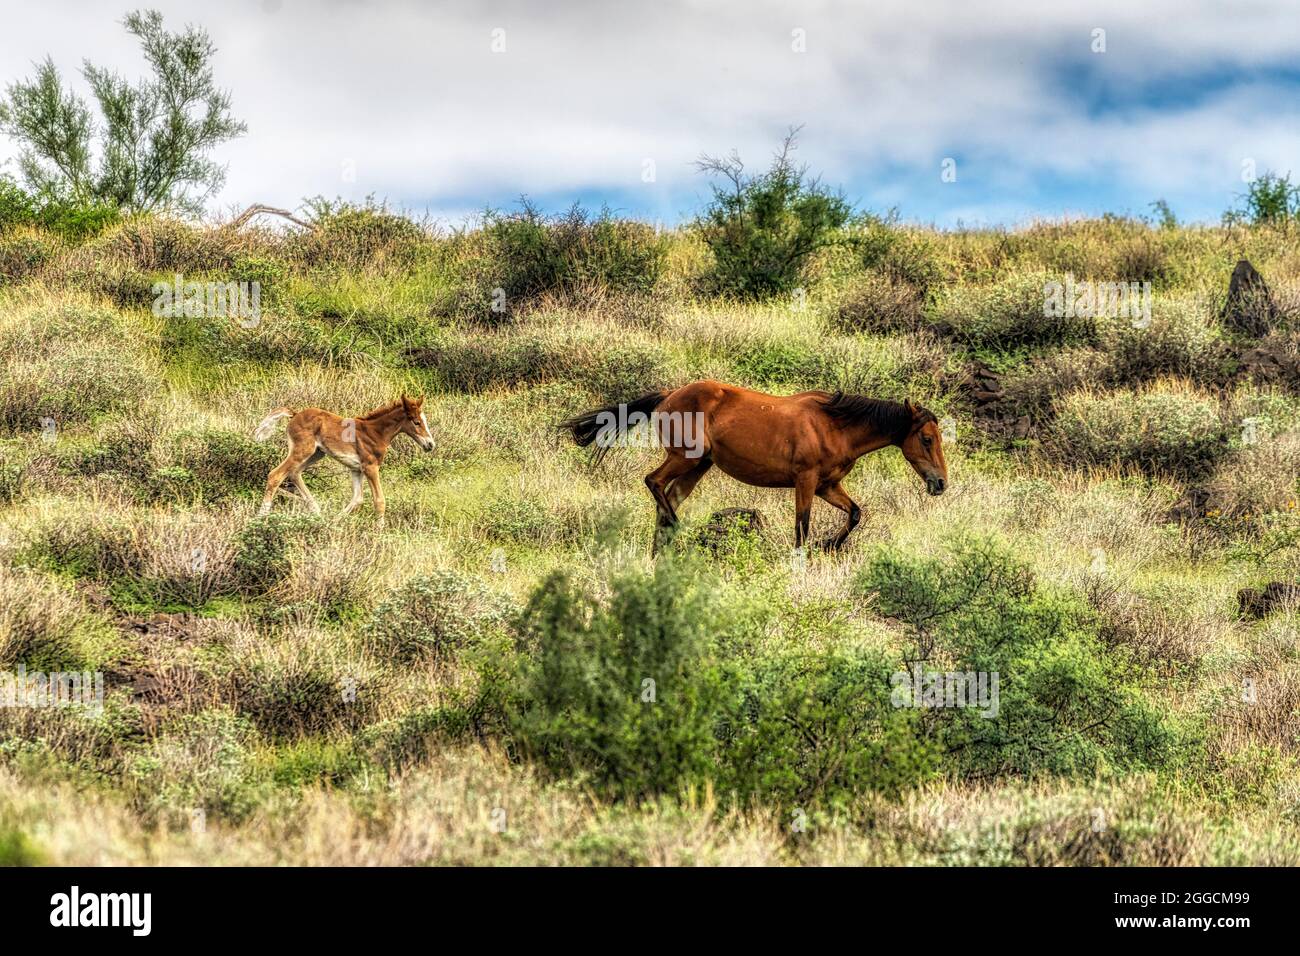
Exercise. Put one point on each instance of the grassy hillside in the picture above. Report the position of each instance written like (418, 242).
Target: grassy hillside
(467, 682)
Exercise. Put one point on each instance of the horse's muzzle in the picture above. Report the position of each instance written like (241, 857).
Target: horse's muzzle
(935, 485)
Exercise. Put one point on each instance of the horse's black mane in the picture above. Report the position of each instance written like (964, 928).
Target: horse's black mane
(889, 418)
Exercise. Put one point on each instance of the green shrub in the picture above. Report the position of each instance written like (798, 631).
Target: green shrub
(1164, 429)
(519, 256)
(1009, 313)
(1065, 704)
(818, 729)
(360, 235)
(434, 616)
(625, 693)
(263, 548)
(763, 229)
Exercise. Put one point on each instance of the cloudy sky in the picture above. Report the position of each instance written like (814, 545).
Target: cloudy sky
(1043, 108)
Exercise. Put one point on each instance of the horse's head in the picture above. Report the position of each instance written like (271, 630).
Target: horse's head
(923, 449)
(415, 424)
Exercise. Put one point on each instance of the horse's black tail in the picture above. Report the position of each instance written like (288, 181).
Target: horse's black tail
(604, 426)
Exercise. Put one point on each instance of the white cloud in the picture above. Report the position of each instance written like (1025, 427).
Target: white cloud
(412, 95)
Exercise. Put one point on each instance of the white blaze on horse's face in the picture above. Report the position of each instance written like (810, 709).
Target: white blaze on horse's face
(417, 425)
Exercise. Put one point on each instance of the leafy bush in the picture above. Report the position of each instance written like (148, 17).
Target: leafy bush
(1269, 200)
(763, 229)
(434, 616)
(357, 236)
(1165, 428)
(1065, 704)
(818, 729)
(1008, 313)
(263, 547)
(76, 383)
(519, 256)
(625, 693)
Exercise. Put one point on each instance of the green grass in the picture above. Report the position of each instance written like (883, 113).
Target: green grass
(353, 692)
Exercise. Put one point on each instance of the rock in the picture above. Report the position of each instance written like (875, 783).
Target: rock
(1274, 596)
(1271, 365)
(1249, 307)
(723, 525)
(982, 384)
(1022, 426)
(1195, 505)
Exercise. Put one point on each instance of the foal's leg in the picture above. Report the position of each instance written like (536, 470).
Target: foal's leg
(304, 493)
(376, 492)
(357, 494)
(675, 466)
(294, 461)
(836, 495)
(805, 486)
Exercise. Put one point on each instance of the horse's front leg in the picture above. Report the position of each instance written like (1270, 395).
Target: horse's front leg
(805, 488)
(836, 496)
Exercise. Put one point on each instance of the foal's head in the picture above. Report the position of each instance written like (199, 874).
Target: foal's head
(415, 424)
(923, 449)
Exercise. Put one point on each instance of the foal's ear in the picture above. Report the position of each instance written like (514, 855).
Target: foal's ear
(911, 409)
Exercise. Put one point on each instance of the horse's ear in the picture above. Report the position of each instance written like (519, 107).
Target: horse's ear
(911, 409)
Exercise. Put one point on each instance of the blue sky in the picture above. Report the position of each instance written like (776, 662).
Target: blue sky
(446, 107)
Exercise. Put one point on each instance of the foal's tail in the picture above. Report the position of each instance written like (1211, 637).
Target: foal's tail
(267, 428)
(606, 425)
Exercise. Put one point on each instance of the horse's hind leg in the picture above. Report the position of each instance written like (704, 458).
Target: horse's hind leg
(836, 496)
(292, 463)
(681, 488)
(674, 467)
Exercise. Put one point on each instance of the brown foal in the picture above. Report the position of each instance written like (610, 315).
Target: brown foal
(359, 444)
(808, 442)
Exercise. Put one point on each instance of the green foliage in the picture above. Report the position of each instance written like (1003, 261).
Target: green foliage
(634, 695)
(1269, 200)
(521, 255)
(763, 229)
(625, 693)
(155, 135)
(1065, 705)
(818, 729)
(352, 235)
(435, 616)
(1159, 430)
(263, 547)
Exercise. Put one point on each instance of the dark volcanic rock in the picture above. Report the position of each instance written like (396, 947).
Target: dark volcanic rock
(1274, 596)
(722, 525)
(1249, 308)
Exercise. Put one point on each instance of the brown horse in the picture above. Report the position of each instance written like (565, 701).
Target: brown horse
(807, 442)
(359, 444)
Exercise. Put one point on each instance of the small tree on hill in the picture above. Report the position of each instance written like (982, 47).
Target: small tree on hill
(153, 137)
(763, 228)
